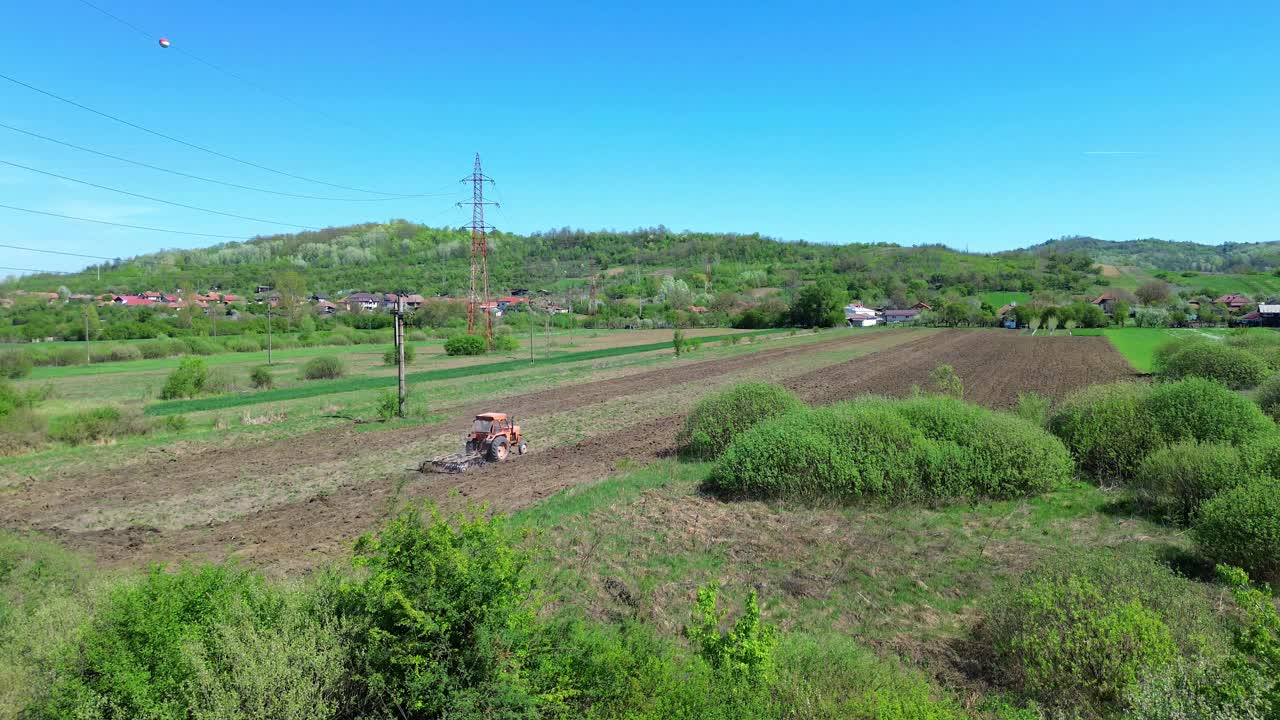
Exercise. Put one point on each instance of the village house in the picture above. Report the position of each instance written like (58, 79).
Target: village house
(893, 317)
(1235, 302)
(856, 315)
(362, 301)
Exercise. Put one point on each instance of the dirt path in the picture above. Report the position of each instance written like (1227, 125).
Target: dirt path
(293, 537)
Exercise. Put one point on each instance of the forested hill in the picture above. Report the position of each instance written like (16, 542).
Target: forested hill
(401, 256)
(1171, 255)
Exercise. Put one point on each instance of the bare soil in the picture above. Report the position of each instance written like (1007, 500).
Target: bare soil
(295, 536)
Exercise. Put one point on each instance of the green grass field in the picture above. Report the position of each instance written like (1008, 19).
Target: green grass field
(1138, 345)
(998, 300)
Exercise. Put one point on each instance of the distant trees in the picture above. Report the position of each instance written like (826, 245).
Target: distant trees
(1120, 312)
(818, 305)
(1154, 292)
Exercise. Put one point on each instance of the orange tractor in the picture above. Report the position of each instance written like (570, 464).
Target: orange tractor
(493, 437)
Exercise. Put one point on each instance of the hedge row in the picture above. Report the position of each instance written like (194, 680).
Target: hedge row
(921, 448)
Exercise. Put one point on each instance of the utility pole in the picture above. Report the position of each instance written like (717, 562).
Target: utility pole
(268, 332)
(402, 391)
(479, 253)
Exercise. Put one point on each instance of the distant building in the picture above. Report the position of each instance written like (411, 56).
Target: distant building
(1235, 302)
(856, 315)
(1268, 315)
(1106, 301)
(362, 301)
(893, 317)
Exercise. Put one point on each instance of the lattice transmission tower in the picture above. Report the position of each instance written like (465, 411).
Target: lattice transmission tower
(479, 253)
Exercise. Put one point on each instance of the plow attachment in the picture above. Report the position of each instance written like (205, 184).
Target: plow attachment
(455, 463)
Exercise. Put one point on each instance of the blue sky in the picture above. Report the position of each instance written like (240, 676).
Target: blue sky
(984, 127)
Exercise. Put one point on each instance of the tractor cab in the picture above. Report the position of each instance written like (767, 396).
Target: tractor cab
(493, 437)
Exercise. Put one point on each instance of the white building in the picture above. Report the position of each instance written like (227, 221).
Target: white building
(856, 315)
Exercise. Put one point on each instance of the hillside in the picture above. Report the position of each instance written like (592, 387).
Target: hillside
(1170, 255)
(404, 256)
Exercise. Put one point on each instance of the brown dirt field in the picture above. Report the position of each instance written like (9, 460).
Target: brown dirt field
(294, 536)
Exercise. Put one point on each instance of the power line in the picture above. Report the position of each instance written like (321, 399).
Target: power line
(55, 252)
(201, 148)
(156, 199)
(198, 177)
(42, 272)
(123, 225)
(219, 69)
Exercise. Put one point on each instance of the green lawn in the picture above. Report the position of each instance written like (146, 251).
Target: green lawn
(998, 300)
(1138, 345)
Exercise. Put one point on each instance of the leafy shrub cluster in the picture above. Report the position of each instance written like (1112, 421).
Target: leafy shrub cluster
(261, 378)
(1079, 632)
(1111, 429)
(925, 447)
(1241, 527)
(187, 380)
(14, 364)
(720, 417)
(505, 343)
(1176, 480)
(465, 345)
(439, 619)
(1235, 367)
(389, 356)
(323, 367)
(95, 425)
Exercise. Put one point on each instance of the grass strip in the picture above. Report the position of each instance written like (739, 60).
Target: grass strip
(315, 389)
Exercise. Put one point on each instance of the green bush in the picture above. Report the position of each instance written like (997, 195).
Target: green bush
(465, 345)
(66, 356)
(1078, 632)
(1268, 397)
(152, 349)
(1241, 527)
(1199, 409)
(1111, 429)
(1104, 428)
(338, 340)
(15, 364)
(1034, 408)
(116, 353)
(174, 423)
(389, 355)
(1236, 368)
(720, 417)
(323, 367)
(200, 346)
(261, 378)
(213, 642)
(443, 617)
(1178, 479)
(244, 344)
(1165, 351)
(21, 429)
(928, 447)
(505, 343)
(186, 381)
(96, 425)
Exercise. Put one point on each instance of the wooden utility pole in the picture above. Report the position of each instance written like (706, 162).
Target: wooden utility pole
(402, 390)
(268, 332)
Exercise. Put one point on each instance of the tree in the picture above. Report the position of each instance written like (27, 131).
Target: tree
(1155, 292)
(1051, 322)
(818, 305)
(1120, 312)
(90, 320)
(293, 293)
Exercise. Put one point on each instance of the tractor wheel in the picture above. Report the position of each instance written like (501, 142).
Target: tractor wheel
(498, 450)
(522, 448)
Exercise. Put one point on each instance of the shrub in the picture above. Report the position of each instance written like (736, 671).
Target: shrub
(21, 430)
(1268, 397)
(745, 652)
(174, 423)
(66, 356)
(416, 336)
(200, 346)
(1034, 408)
(117, 353)
(389, 356)
(219, 381)
(15, 364)
(186, 381)
(261, 378)
(1165, 351)
(244, 344)
(1178, 479)
(930, 447)
(1241, 527)
(443, 617)
(1199, 409)
(718, 418)
(1236, 368)
(946, 382)
(95, 425)
(1079, 632)
(1104, 428)
(152, 349)
(339, 340)
(505, 343)
(200, 643)
(323, 367)
(465, 345)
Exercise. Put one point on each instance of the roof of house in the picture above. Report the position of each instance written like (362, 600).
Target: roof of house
(910, 312)
(512, 299)
(361, 297)
(1233, 299)
(1251, 316)
(325, 304)
(1105, 297)
(134, 300)
(414, 299)
(1269, 309)
(921, 306)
